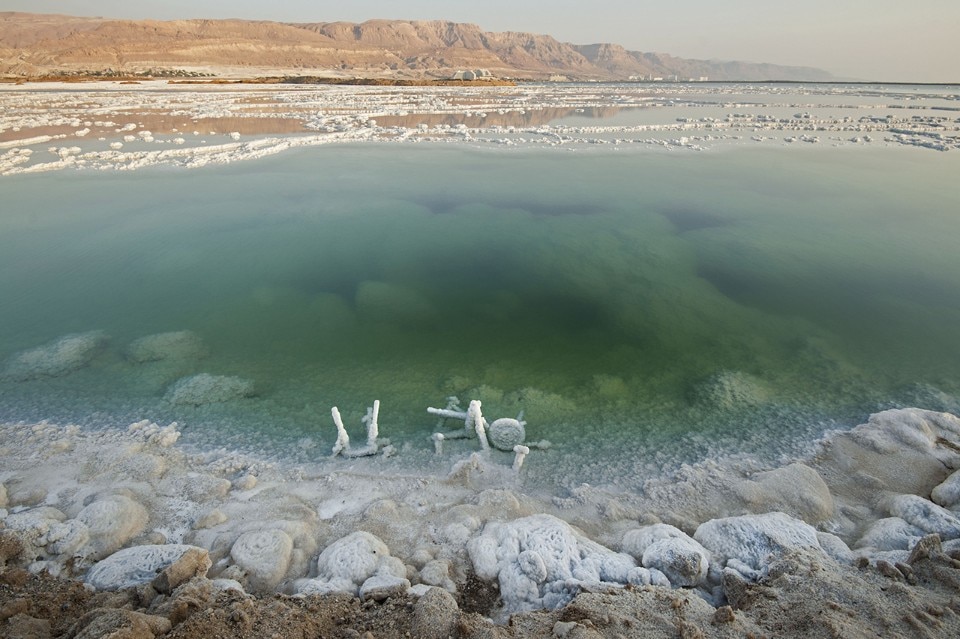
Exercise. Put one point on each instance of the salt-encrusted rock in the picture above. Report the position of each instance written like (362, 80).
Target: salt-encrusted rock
(208, 389)
(347, 564)
(637, 540)
(505, 433)
(890, 533)
(265, 556)
(435, 615)
(111, 522)
(179, 345)
(3, 496)
(749, 543)
(925, 515)
(541, 562)
(946, 494)
(437, 573)
(195, 562)
(684, 561)
(835, 548)
(67, 538)
(197, 487)
(728, 391)
(383, 586)
(912, 428)
(56, 358)
(795, 489)
(140, 565)
(114, 623)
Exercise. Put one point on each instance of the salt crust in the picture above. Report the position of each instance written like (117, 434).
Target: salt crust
(71, 506)
(178, 345)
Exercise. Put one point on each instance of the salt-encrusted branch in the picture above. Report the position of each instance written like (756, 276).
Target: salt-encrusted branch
(371, 421)
(437, 442)
(342, 445)
(343, 439)
(522, 452)
(474, 415)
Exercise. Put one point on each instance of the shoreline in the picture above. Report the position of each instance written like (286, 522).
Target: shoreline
(74, 497)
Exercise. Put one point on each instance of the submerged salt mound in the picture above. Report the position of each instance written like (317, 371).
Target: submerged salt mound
(178, 345)
(541, 562)
(749, 543)
(358, 564)
(208, 389)
(54, 359)
(728, 391)
(139, 565)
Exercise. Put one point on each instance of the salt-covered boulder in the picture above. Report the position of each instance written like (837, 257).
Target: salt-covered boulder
(889, 533)
(208, 389)
(437, 573)
(684, 561)
(947, 493)
(197, 487)
(795, 489)
(728, 391)
(749, 543)
(925, 515)
(835, 548)
(265, 556)
(541, 562)
(59, 357)
(140, 565)
(912, 428)
(358, 564)
(505, 433)
(111, 522)
(637, 540)
(178, 345)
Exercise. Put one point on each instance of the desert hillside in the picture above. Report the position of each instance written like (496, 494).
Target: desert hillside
(33, 44)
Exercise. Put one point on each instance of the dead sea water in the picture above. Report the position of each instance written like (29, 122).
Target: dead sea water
(642, 308)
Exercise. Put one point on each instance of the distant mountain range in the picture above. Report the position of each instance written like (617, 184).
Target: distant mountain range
(35, 44)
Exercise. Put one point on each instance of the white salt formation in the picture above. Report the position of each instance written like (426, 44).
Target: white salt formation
(141, 565)
(358, 564)
(59, 357)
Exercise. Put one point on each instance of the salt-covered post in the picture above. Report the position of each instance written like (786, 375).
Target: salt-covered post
(437, 443)
(522, 452)
(477, 418)
(343, 440)
(373, 429)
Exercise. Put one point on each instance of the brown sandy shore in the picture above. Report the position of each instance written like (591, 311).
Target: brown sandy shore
(803, 596)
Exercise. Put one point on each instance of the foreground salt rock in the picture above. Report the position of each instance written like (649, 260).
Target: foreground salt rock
(671, 551)
(541, 562)
(359, 564)
(264, 555)
(204, 388)
(177, 345)
(749, 543)
(166, 566)
(54, 359)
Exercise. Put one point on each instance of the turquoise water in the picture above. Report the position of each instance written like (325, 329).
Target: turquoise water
(598, 291)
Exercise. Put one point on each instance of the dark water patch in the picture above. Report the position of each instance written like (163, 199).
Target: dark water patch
(686, 220)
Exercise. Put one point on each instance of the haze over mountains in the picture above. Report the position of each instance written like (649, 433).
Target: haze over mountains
(34, 44)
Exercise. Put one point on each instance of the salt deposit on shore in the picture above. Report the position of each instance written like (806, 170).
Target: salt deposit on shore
(115, 127)
(118, 507)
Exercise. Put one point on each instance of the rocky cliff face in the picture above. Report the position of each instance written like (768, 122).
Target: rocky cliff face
(35, 44)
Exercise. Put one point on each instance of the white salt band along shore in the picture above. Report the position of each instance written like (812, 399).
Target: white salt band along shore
(118, 507)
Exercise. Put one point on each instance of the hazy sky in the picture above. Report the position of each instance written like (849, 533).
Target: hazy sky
(915, 40)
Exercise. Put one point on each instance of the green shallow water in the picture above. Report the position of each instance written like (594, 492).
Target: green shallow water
(594, 290)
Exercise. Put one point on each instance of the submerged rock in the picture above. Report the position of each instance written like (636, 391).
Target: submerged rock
(728, 391)
(59, 357)
(179, 345)
(208, 389)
